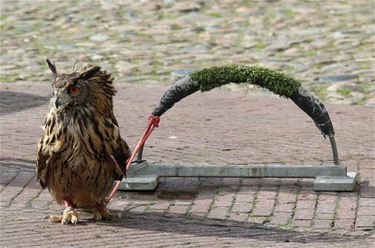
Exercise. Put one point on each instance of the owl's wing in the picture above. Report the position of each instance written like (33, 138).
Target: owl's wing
(121, 154)
(42, 161)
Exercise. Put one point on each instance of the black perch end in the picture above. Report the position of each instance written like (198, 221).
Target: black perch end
(181, 89)
(277, 82)
(315, 109)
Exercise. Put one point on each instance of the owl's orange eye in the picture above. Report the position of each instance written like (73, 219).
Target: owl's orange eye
(73, 90)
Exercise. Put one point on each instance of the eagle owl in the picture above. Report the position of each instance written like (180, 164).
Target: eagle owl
(81, 151)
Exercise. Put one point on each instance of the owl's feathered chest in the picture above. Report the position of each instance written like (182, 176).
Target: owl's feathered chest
(79, 135)
(79, 155)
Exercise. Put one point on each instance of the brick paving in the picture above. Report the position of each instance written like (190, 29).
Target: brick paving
(324, 45)
(154, 42)
(199, 212)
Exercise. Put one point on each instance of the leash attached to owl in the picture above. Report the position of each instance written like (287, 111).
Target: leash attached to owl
(81, 154)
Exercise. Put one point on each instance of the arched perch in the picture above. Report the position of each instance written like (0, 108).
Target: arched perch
(143, 176)
(277, 82)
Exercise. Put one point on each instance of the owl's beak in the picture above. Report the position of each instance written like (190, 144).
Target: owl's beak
(57, 102)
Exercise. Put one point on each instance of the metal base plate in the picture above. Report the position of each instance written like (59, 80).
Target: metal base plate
(144, 176)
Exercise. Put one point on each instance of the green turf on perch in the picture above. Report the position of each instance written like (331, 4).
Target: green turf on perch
(277, 82)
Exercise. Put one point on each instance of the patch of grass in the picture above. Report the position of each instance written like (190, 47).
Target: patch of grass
(239, 40)
(288, 12)
(176, 26)
(199, 29)
(6, 79)
(169, 15)
(367, 87)
(260, 45)
(344, 91)
(310, 52)
(215, 14)
(319, 90)
(40, 47)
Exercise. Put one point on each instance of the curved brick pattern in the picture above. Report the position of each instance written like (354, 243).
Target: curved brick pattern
(246, 212)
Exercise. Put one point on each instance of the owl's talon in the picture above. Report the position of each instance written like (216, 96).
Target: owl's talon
(55, 218)
(112, 217)
(70, 215)
(103, 213)
(97, 215)
(74, 219)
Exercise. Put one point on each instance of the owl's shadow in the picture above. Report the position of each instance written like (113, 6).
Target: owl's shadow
(199, 226)
(12, 101)
(203, 227)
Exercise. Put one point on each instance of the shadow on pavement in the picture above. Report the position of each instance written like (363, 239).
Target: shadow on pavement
(201, 227)
(11, 101)
(192, 225)
(10, 168)
(17, 164)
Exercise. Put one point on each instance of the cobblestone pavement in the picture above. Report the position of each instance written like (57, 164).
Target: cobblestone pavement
(149, 44)
(200, 212)
(327, 46)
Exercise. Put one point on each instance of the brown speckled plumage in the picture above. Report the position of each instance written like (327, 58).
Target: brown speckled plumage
(81, 149)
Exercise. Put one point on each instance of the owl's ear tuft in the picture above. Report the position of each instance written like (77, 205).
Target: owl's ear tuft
(52, 67)
(89, 72)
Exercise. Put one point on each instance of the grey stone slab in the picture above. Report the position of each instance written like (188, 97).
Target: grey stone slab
(266, 170)
(148, 182)
(144, 176)
(336, 183)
